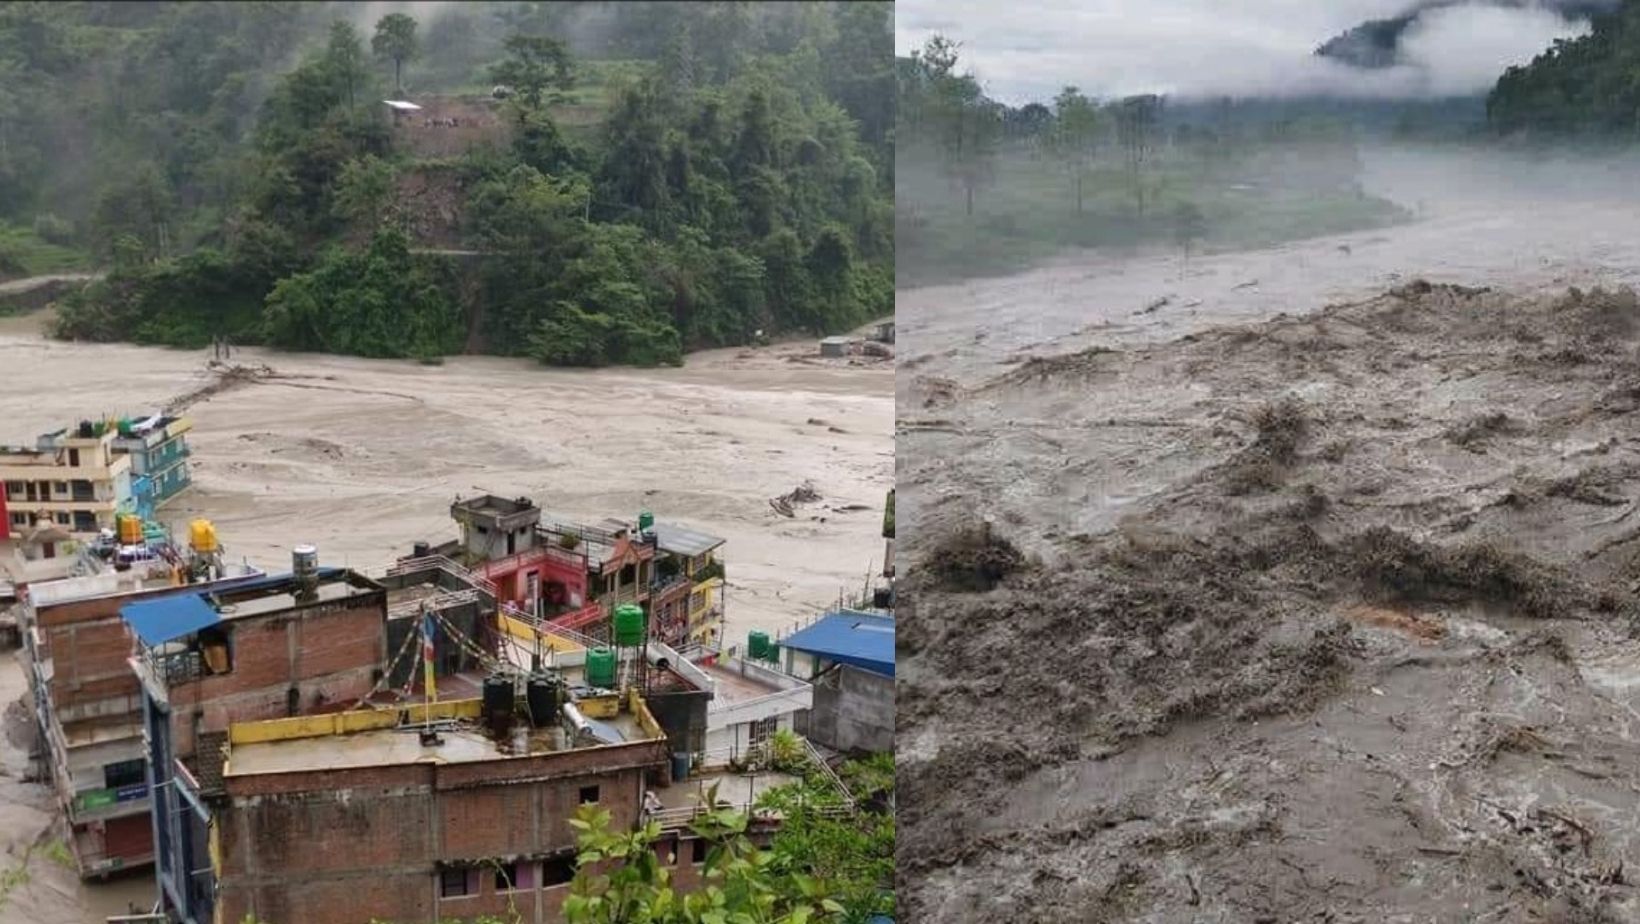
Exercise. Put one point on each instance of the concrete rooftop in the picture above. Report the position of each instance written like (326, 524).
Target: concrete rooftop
(395, 746)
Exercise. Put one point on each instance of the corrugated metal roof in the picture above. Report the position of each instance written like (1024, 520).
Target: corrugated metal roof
(680, 540)
(864, 640)
(159, 621)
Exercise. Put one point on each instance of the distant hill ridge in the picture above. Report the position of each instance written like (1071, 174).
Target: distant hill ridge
(1376, 43)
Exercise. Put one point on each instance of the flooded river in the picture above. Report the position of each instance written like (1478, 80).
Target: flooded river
(1477, 219)
(1336, 607)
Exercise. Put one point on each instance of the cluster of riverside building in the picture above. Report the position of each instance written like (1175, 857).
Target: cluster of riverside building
(320, 745)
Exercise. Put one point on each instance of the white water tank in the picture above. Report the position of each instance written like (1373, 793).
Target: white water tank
(304, 566)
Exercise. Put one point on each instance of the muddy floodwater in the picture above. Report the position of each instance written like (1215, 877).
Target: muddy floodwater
(1296, 584)
(362, 458)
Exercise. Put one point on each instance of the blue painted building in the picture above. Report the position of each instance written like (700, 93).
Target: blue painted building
(848, 658)
(859, 639)
(158, 447)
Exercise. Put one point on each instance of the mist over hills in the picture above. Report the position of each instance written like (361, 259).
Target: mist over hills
(1378, 43)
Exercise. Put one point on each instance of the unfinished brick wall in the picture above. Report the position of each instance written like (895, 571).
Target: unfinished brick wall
(345, 846)
(330, 654)
(89, 644)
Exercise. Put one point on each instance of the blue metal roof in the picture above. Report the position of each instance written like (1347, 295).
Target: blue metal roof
(158, 621)
(865, 640)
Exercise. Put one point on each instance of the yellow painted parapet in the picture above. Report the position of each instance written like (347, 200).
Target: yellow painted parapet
(640, 711)
(342, 723)
(519, 629)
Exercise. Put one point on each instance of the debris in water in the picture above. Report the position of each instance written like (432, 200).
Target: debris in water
(786, 504)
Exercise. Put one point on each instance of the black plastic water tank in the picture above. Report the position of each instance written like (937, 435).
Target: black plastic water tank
(498, 695)
(542, 696)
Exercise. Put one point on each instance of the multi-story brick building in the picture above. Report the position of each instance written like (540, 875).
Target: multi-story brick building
(283, 646)
(88, 705)
(294, 781)
(291, 785)
(469, 825)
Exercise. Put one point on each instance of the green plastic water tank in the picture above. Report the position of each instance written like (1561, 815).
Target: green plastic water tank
(772, 653)
(601, 668)
(757, 646)
(646, 521)
(628, 624)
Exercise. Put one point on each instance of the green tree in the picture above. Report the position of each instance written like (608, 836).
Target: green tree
(966, 125)
(620, 879)
(537, 68)
(364, 190)
(849, 855)
(1075, 130)
(634, 170)
(344, 59)
(395, 40)
(734, 184)
(138, 206)
(1136, 126)
(1589, 85)
(380, 303)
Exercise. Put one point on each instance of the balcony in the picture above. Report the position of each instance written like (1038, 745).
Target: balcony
(577, 619)
(172, 668)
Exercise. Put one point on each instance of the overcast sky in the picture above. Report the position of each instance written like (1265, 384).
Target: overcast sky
(1025, 50)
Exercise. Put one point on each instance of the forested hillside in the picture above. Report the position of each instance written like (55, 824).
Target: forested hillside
(991, 188)
(1587, 86)
(583, 183)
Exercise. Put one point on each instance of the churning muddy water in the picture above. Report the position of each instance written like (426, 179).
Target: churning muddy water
(1311, 570)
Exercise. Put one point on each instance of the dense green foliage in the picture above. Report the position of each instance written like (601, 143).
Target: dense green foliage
(821, 865)
(984, 187)
(850, 857)
(1584, 86)
(696, 174)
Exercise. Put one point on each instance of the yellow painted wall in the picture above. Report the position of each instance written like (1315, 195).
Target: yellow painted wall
(708, 590)
(522, 630)
(341, 723)
(640, 711)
